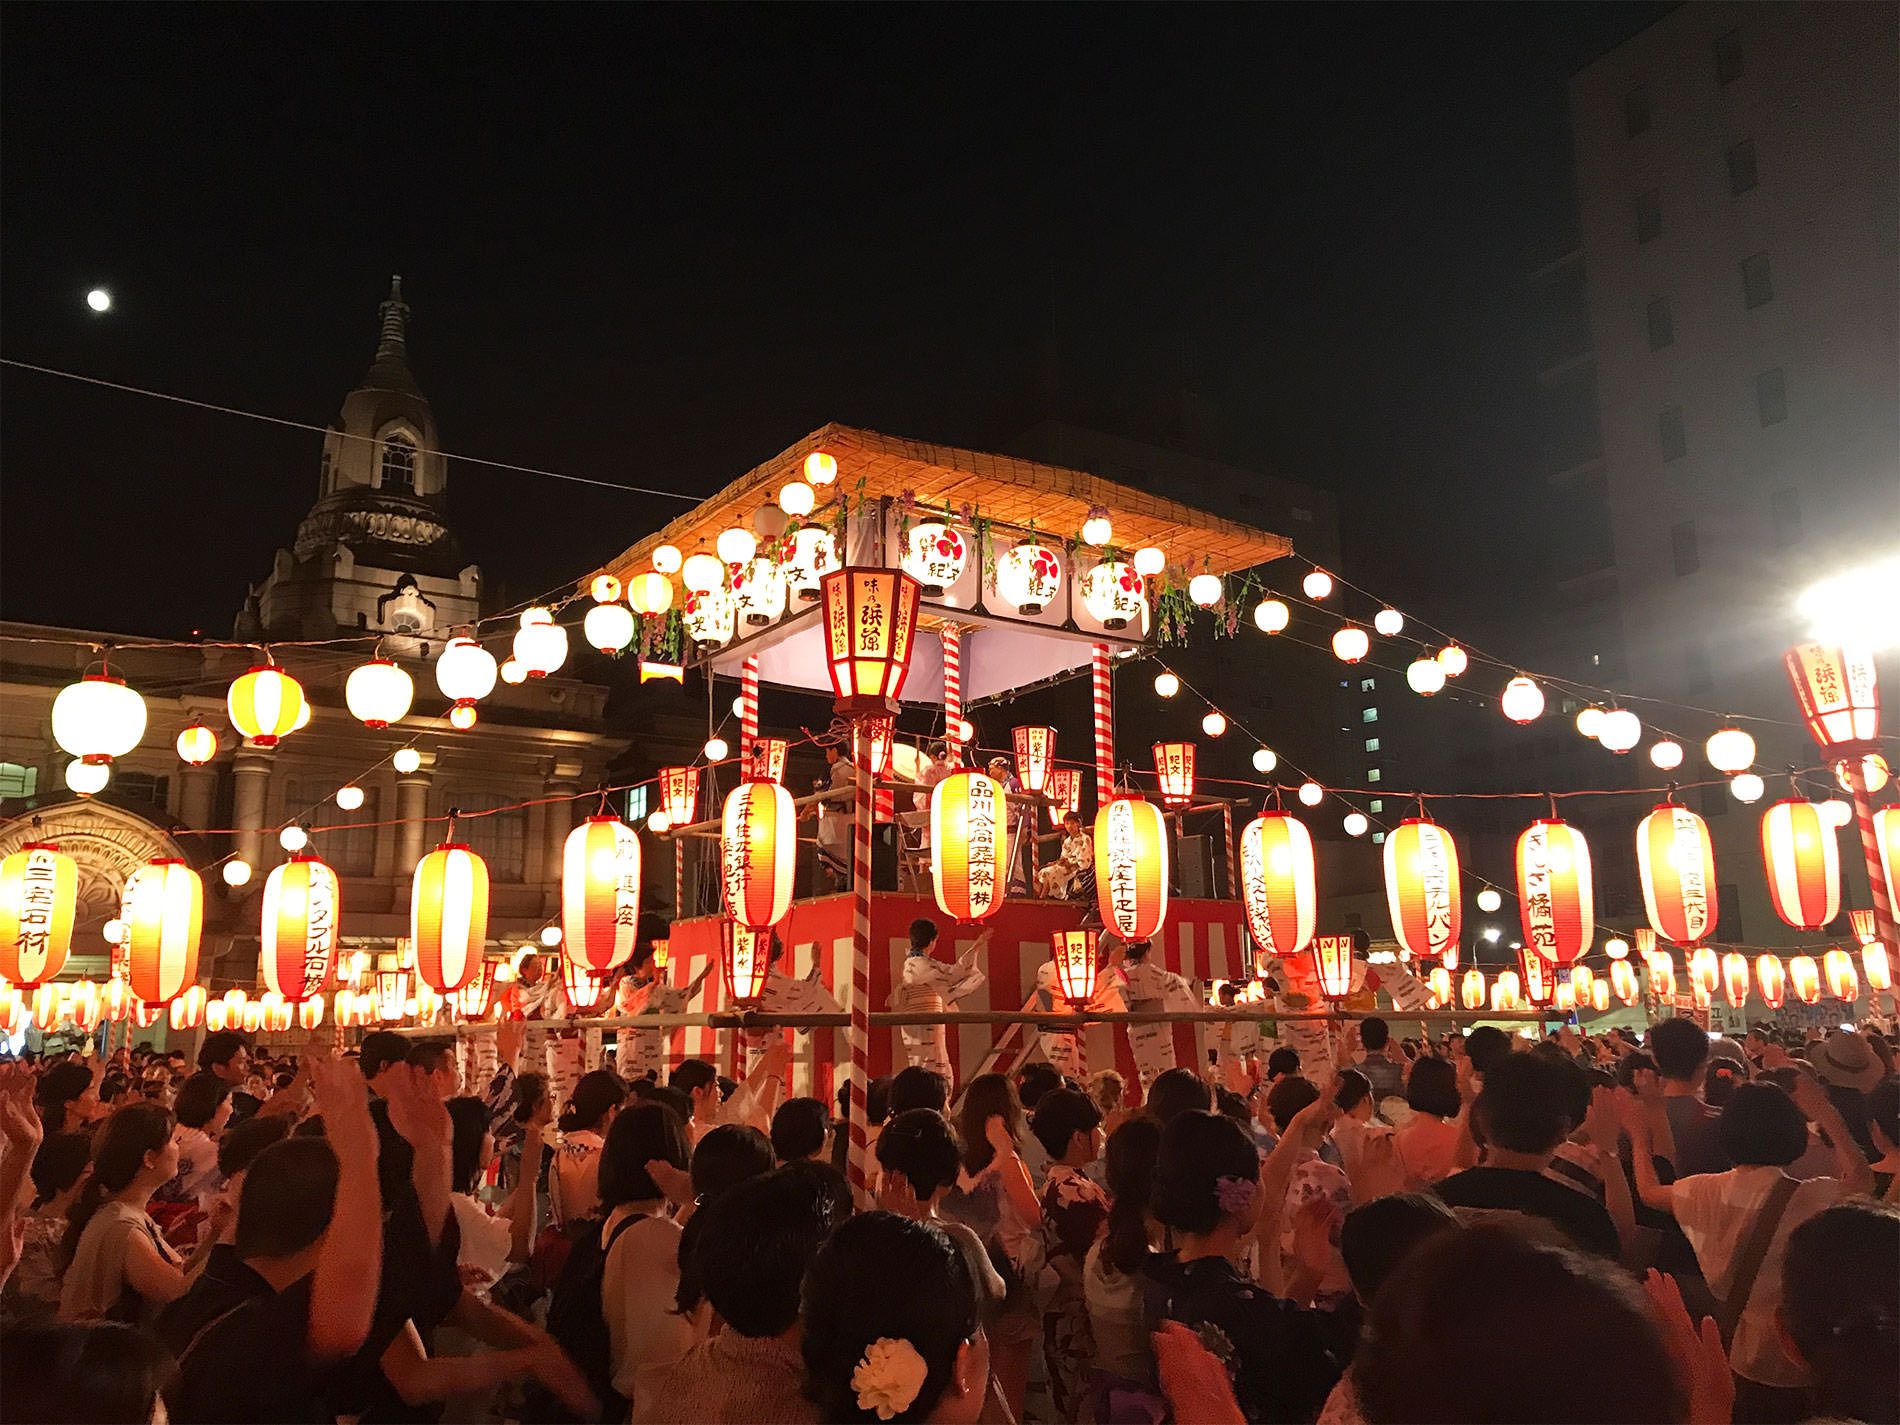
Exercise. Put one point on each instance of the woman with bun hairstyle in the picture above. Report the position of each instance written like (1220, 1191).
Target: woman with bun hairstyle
(584, 1121)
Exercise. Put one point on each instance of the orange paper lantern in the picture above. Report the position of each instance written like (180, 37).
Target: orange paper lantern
(1735, 978)
(116, 1000)
(1704, 970)
(1582, 980)
(187, 1009)
(600, 893)
(310, 1013)
(1540, 980)
(303, 904)
(1174, 769)
(1804, 978)
(1421, 888)
(1035, 756)
(1677, 867)
(448, 916)
(758, 853)
(967, 845)
(1873, 959)
(1439, 983)
(1803, 859)
(746, 956)
(679, 794)
(1131, 868)
(163, 913)
(1332, 962)
(39, 890)
(1074, 954)
(83, 1005)
(1505, 992)
(870, 617)
(1472, 989)
(1277, 884)
(477, 997)
(1887, 846)
(583, 986)
(1623, 980)
(1554, 893)
(1771, 981)
(1662, 975)
(265, 704)
(1842, 982)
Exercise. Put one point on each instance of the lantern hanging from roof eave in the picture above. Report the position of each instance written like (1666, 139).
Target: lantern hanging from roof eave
(1843, 982)
(1556, 900)
(98, 718)
(758, 592)
(1277, 884)
(1839, 693)
(745, 958)
(1735, 978)
(709, 617)
(1803, 859)
(1028, 576)
(649, 593)
(1771, 981)
(1074, 952)
(934, 555)
(1421, 887)
(766, 761)
(758, 854)
(39, 891)
(1035, 757)
(968, 820)
(1131, 868)
(163, 913)
(806, 558)
(1174, 770)
(679, 794)
(1624, 982)
(448, 916)
(303, 905)
(870, 620)
(265, 705)
(1114, 594)
(582, 986)
(1064, 793)
(600, 893)
(1677, 867)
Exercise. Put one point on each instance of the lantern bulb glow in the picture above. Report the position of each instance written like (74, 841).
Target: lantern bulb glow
(659, 823)
(609, 627)
(237, 871)
(1388, 622)
(1425, 676)
(197, 745)
(99, 300)
(1590, 721)
(605, 588)
(716, 749)
(1666, 755)
(1616, 948)
(550, 935)
(1097, 531)
(293, 838)
(1747, 787)
(1214, 724)
(1167, 685)
(1523, 700)
(736, 545)
(514, 671)
(1351, 644)
(406, 760)
(1205, 590)
(1312, 793)
(462, 717)
(1271, 616)
(1489, 900)
(702, 573)
(666, 559)
(1453, 659)
(1836, 813)
(820, 468)
(349, 798)
(1355, 823)
(797, 498)
(1265, 759)
(86, 778)
(1149, 561)
(1730, 750)
(113, 931)
(1620, 730)
(1317, 585)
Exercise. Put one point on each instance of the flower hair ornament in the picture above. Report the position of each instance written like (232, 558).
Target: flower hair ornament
(888, 1378)
(1235, 1194)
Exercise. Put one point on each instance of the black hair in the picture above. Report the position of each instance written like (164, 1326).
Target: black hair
(914, 1086)
(762, 1236)
(731, 1154)
(1445, 1338)
(1376, 1236)
(96, 1373)
(919, 1144)
(1034, 1081)
(1282, 1061)
(1287, 1097)
(595, 1095)
(1234, 1106)
(220, 1046)
(57, 1088)
(692, 1075)
(1485, 1046)
(922, 932)
(1060, 1114)
(1432, 1087)
(248, 1137)
(1197, 1151)
(1575, 1093)
(288, 1198)
(1132, 1152)
(428, 1054)
(880, 1276)
(1680, 1047)
(1374, 1032)
(1762, 1127)
(1840, 1304)
(1521, 1107)
(529, 1093)
(800, 1128)
(58, 1165)
(468, 1126)
(1883, 1107)
(641, 1134)
(1354, 1089)
(1723, 1078)
(198, 1099)
(1178, 1091)
(380, 1048)
(118, 1155)
(985, 1097)
(1631, 1064)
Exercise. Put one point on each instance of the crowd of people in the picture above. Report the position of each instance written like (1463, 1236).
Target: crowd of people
(1654, 1226)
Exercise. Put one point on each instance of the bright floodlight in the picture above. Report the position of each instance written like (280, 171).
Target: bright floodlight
(99, 299)
(1860, 607)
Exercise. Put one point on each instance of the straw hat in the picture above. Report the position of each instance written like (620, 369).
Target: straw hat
(1844, 1060)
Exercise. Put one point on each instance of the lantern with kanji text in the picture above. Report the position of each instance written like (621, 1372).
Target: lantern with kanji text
(766, 761)
(1131, 868)
(679, 794)
(1035, 757)
(1332, 963)
(163, 913)
(1174, 770)
(1421, 888)
(1540, 981)
(1839, 694)
(448, 916)
(934, 555)
(303, 903)
(1842, 982)
(600, 893)
(870, 619)
(477, 997)
(1028, 574)
(1555, 899)
(758, 854)
(1277, 886)
(1074, 955)
(39, 891)
(1064, 793)
(745, 957)
(1114, 593)
(1803, 860)
(1771, 981)
(968, 845)
(1677, 866)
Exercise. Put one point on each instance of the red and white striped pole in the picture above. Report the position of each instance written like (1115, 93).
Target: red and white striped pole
(1876, 872)
(679, 878)
(1104, 728)
(748, 710)
(1233, 866)
(859, 1163)
(953, 693)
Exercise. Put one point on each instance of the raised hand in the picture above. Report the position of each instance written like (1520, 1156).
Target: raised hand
(343, 1102)
(996, 1134)
(19, 1122)
(1697, 1352)
(416, 1109)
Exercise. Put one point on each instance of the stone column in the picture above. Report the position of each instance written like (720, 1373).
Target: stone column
(197, 795)
(412, 806)
(252, 769)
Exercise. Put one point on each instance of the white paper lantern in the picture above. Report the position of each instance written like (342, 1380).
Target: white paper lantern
(293, 838)
(1312, 793)
(1028, 575)
(465, 671)
(1388, 622)
(759, 592)
(609, 627)
(666, 559)
(1453, 660)
(1351, 644)
(1214, 724)
(1354, 823)
(1167, 684)
(378, 693)
(1317, 585)
(349, 798)
(1489, 900)
(406, 760)
(702, 573)
(1271, 616)
(98, 718)
(1747, 787)
(796, 498)
(1523, 700)
(540, 643)
(811, 554)
(1730, 750)
(1205, 590)
(1265, 759)
(1666, 755)
(1114, 594)
(736, 545)
(1425, 676)
(1149, 560)
(85, 778)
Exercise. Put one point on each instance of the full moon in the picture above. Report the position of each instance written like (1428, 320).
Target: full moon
(99, 299)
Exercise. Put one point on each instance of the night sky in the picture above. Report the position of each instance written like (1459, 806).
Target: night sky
(658, 245)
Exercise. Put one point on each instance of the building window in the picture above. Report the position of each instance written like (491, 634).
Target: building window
(1366, 685)
(1662, 331)
(399, 465)
(1372, 744)
(634, 808)
(340, 837)
(1784, 508)
(1372, 774)
(143, 789)
(1728, 57)
(1636, 112)
(1771, 397)
(1648, 215)
(1378, 838)
(1741, 168)
(500, 836)
(17, 781)
(1670, 435)
(1368, 714)
(1682, 550)
(1758, 285)
(1697, 675)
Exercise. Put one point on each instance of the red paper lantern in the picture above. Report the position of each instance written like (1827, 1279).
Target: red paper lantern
(1540, 980)
(1064, 793)
(1555, 898)
(746, 956)
(583, 986)
(1842, 982)
(1677, 866)
(600, 893)
(679, 794)
(1439, 983)
(1735, 978)
(1873, 959)
(758, 853)
(1623, 981)
(310, 1013)
(1277, 884)
(1074, 953)
(1505, 991)
(477, 997)
(83, 1005)
(1803, 859)
(766, 763)
(1332, 962)
(870, 617)
(1131, 868)
(1804, 978)
(1472, 988)
(1771, 981)
(1035, 756)
(1582, 982)
(303, 904)
(116, 1000)
(448, 916)
(187, 1009)
(1421, 888)
(1838, 691)
(39, 890)
(1662, 975)
(1704, 970)
(163, 913)
(968, 842)
(1887, 845)
(392, 995)
(1174, 769)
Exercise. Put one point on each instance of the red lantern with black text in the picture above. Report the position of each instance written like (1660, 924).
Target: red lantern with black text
(1803, 859)
(1677, 867)
(1131, 868)
(600, 893)
(1735, 978)
(1035, 756)
(1174, 770)
(1064, 793)
(1540, 977)
(1421, 888)
(1771, 981)
(968, 845)
(1332, 962)
(679, 794)
(1839, 693)
(870, 618)
(758, 853)
(1842, 982)
(303, 904)
(39, 891)
(1555, 897)
(448, 916)
(163, 912)
(1277, 884)
(746, 957)
(1074, 955)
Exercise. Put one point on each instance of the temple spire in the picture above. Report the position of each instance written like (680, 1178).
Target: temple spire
(390, 370)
